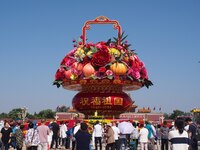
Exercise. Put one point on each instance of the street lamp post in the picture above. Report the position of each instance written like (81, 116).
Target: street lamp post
(24, 111)
(162, 119)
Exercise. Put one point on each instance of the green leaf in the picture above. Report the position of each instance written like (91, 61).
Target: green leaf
(116, 39)
(129, 77)
(108, 64)
(108, 42)
(124, 38)
(93, 49)
(121, 35)
(110, 77)
(125, 63)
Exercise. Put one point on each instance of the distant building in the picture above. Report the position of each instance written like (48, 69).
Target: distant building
(155, 118)
(69, 115)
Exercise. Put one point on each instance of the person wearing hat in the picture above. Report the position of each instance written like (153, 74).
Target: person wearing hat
(83, 138)
(110, 141)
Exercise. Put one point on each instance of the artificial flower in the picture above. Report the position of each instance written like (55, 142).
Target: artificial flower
(109, 73)
(114, 51)
(102, 69)
(100, 58)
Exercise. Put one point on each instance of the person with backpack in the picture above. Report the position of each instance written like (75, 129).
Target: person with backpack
(192, 132)
(151, 135)
(198, 133)
(32, 137)
(69, 135)
(74, 131)
(56, 130)
(19, 137)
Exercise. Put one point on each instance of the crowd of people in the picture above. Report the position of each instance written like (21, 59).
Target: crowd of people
(182, 135)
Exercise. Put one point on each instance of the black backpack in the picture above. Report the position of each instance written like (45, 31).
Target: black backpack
(1, 143)
(197, 133)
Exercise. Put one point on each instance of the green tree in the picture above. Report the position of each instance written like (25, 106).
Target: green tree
(166, 116)
(176, 113)
(30, 116)
(47, 113)
(62, 108)
(3, 115)
(15, 113)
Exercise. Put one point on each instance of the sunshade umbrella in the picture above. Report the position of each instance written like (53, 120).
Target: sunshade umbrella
(125, 127)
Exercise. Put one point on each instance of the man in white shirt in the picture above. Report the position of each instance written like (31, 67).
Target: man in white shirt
(116, 135)
(143, 137)
(63, 135)
(98, 132)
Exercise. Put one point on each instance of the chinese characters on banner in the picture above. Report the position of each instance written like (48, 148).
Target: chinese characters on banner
(101, 102)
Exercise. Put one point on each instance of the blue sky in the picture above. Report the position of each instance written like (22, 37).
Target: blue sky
(35, 35)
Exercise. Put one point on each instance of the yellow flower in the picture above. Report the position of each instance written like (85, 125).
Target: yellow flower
(114, 51)
(89, 54)
(73, 77)
(126, 58)
(79, 53)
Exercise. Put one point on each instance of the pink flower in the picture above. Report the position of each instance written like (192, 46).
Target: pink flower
(71, 53)
(61, 69)
(142, 64)
(134, 73)
(75, 71)
(111, 45)
(144, 73)
(100, 45)
(109, 73)
(119, 47)
(69, 61)
(135, 62)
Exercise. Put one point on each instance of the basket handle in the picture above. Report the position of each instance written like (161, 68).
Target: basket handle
(101, 20)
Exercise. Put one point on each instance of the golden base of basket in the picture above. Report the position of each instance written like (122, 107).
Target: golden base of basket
(79, 85)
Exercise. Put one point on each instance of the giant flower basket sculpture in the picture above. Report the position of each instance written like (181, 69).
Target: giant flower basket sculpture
(101, 72)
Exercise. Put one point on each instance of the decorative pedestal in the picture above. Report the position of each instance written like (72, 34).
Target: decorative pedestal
(106, 97)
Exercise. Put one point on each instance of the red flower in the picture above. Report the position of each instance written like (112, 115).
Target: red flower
(144, 73)
(59, 75)
(100, 58)
(81, 36)
(102, 69)
(99, 45)
(89, 45)
(67, 61)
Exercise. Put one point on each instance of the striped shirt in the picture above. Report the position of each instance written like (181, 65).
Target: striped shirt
(178, 141)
